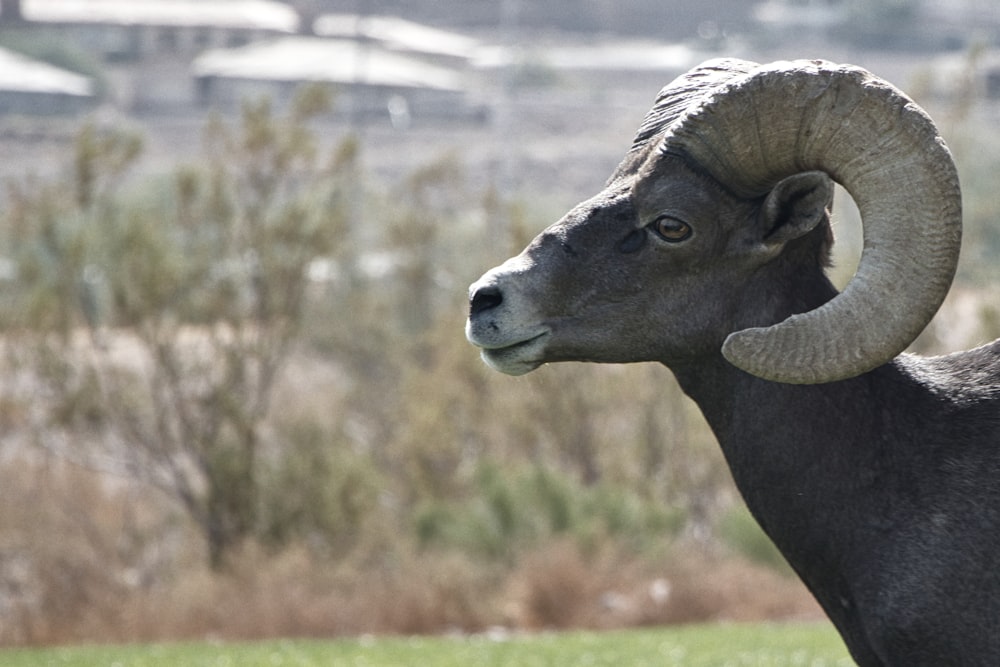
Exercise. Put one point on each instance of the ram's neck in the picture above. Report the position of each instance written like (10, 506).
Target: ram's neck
(821, 467)
(782, 434)
(808, 459)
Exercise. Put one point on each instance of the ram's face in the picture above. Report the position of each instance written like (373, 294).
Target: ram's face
(657, 266)
(636, 273)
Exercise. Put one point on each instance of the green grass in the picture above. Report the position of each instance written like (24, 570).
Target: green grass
(812, 645)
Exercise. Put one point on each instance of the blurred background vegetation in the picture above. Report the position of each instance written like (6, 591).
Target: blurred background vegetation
(233, 416)
(236, 399)
(207, 382)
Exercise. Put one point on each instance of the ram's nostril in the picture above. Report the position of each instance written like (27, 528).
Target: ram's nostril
(485, 298)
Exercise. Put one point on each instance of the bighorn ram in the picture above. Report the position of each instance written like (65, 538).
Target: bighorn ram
(877, 474)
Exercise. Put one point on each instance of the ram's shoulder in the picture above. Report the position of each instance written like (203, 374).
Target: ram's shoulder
(966, 376)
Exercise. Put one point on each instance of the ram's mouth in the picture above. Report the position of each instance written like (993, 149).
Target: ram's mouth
(517, 358)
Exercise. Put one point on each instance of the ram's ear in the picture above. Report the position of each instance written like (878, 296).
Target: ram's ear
(795, 206)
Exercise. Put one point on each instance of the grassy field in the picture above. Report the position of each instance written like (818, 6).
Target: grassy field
(810, 645)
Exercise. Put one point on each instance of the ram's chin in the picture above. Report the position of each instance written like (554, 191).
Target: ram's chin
(516, 359)
(499, 362)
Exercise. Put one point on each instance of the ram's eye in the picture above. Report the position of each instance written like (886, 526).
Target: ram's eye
(671, 230)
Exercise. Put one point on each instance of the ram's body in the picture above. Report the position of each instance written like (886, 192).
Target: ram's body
(877, 475)
(882, 492)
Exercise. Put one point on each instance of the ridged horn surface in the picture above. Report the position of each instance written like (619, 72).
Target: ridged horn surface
(772, 121)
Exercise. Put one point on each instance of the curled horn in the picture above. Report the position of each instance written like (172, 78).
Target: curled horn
(761, 124)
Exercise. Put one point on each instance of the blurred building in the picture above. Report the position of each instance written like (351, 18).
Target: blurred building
(378, 65)
(145, 47)
(368, 80)
(398, 35)
(122, 30)
(32, 88)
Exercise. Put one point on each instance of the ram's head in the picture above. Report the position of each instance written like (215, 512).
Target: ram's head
(712, 235)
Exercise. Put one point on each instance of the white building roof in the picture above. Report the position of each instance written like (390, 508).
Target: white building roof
(396, 34)
(620, 56)
(317, 59)
(808, 14)
(21, 74)
(248, 14)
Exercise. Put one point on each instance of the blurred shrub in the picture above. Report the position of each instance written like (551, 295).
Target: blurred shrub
(158, 323)
(508, 511)
(72, 550)
(317, 491)
(977, 155)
